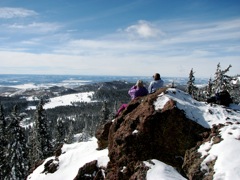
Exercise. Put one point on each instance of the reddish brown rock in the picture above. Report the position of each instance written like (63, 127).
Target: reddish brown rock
(102, 135)
(142, 133)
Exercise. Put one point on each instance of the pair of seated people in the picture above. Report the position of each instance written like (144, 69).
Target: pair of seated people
(140, 90)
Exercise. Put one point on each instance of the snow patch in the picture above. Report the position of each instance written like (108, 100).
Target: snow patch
(160, 170)
(67, 100)
(200, 112)
(135, 131)
(225, 153)
(161, 101)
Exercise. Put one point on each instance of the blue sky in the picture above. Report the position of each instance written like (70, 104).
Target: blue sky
(119, 37)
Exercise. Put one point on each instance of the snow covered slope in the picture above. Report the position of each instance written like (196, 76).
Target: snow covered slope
(226, 151)
(200, 112)
(73, 157)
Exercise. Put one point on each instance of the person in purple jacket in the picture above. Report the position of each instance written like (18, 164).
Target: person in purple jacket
(138, 90)
(135, 91)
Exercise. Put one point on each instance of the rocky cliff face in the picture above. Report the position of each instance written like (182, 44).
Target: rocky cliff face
(142, 133)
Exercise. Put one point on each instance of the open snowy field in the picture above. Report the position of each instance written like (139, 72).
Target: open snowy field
(66, 100)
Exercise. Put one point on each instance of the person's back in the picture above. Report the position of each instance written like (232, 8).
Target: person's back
(156, 84)
(141, 91)
(135, 91)
(138, 90)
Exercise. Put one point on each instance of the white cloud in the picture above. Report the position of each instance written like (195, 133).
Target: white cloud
(34, 27)
(193, 32)
(183, 46)
(104, 46)
(8, 13)
(112, 64)
(144, 29)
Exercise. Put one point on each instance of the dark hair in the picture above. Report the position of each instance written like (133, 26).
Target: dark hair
(156, 76)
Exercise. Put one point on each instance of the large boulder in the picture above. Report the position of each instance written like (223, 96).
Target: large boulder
(142, 133)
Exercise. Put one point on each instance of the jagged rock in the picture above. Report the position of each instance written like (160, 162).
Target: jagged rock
(142, 133)
(90, 171)
(102, 135)
(51, 166)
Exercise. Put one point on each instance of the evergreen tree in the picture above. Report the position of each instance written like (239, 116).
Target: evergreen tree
(209, 87)
(60, 134)
(42, 145)
(235, 93)
(221, 81)
(104, 113)
(86, 131)
(70, 136)
(2, 123)
(17, 150)
(3, 143)
(35, 153)
(94, 125)
(190, 84)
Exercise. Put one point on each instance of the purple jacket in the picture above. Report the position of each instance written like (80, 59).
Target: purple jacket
(137, 91)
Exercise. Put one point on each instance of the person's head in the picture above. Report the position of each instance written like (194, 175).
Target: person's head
(156, 76)
(139, 83)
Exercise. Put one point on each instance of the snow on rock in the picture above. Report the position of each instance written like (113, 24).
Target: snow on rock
(161, 101)
(72, 158)
(160, 170)
(225, 153)
(202, 113)
(236, 81)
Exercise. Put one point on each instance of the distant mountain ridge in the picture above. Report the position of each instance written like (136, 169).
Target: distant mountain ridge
(78, 80)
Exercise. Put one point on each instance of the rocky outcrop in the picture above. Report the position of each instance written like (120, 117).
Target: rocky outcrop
(51, 166)
(90, 171)
(102, 135)
(141, 133)
(193, 160)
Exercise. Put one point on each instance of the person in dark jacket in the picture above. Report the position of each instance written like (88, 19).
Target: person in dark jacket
(135, 91)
